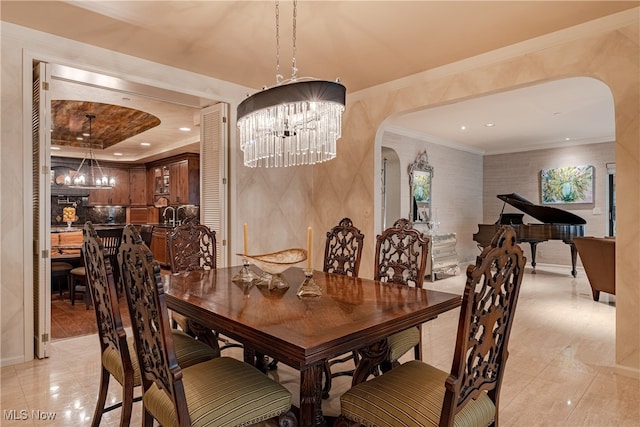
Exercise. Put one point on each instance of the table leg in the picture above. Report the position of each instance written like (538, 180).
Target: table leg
(204, 334)
(311, 396)
(370, 358)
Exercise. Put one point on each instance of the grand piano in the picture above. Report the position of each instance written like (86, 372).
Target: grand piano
(556, 225)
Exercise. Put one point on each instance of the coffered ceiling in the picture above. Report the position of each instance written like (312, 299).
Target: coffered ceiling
(364, 43)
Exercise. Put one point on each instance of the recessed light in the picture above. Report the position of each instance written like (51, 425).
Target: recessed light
(567, 139)
(55, 148)
(185, 129)
(79, 138)
(463, 127)
(117, 154)
(489, 125)
(85, 134)
(145, 144)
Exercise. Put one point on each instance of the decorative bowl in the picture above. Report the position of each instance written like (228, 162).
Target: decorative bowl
(277, 262)
(274, 264)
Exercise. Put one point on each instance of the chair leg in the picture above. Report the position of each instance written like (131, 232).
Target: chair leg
(102, 398)
(72, 291)
(596, 294)
(127, 401)
(147, 418)
(87, 298)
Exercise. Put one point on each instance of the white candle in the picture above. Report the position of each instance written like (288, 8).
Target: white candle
(309, 248)
(246, 240)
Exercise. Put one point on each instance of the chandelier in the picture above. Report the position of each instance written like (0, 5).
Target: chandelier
(295, 122)
(89, 174)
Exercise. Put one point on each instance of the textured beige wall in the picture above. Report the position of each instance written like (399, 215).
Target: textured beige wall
(456, 187)
(520, 173)
(276, 206)
(344, 186)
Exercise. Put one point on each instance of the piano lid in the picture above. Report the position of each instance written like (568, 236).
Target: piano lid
(545, 214)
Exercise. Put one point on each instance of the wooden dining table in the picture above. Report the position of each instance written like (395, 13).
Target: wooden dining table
(352, 313)
(69, 252)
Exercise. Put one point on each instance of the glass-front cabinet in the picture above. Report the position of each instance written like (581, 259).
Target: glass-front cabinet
(161, 179)
(175, 181)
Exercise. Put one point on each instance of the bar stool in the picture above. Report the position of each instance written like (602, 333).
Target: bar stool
(59, 271)
(79, 284)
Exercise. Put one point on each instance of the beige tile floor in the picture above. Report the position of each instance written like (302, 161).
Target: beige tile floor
(560, 372)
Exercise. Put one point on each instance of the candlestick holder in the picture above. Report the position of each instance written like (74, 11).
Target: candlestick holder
(309, 288)
(245, 275)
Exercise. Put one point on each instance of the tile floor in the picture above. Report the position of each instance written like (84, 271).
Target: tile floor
(560, 371)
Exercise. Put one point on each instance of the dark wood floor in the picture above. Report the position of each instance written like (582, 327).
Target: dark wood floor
(74, 320)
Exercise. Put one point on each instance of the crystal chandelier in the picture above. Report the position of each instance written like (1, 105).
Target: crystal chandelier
(92, 176)
(295, 122)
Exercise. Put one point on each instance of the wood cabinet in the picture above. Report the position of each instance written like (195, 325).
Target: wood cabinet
(130, 187)
(137, 186)
(177, 179)
(118, 195)
(179, 185)
(159, 245)
(142, 215)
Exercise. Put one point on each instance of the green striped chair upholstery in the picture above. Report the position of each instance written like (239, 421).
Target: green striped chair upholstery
(118, 356)
(401, 258)
(418, 394)
(220, 392)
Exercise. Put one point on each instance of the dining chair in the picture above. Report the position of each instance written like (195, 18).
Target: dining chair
(342, 255)
(117, 353)
(110, 238)
(59, 274)
(78, 277)
(418, 394)
(401, 258)
(223, 391)
(192, 246)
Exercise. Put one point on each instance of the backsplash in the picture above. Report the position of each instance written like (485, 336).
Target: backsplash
(84, 213)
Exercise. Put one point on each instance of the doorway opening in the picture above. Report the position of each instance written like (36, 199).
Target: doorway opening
(67, 319)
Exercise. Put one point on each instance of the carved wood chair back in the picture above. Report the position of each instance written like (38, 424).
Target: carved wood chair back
(113, 339)
(150, 321)
(192, 246)
(401, 255)
(343, 249)
(484, 327)
(469, 393)
(110, 238)
(222, 390)
(342, 254)
(401, 258)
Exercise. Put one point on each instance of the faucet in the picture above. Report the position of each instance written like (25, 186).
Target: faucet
(184, 216)
(171, 221)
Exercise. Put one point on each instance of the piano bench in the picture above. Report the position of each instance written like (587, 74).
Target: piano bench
(598, 256)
